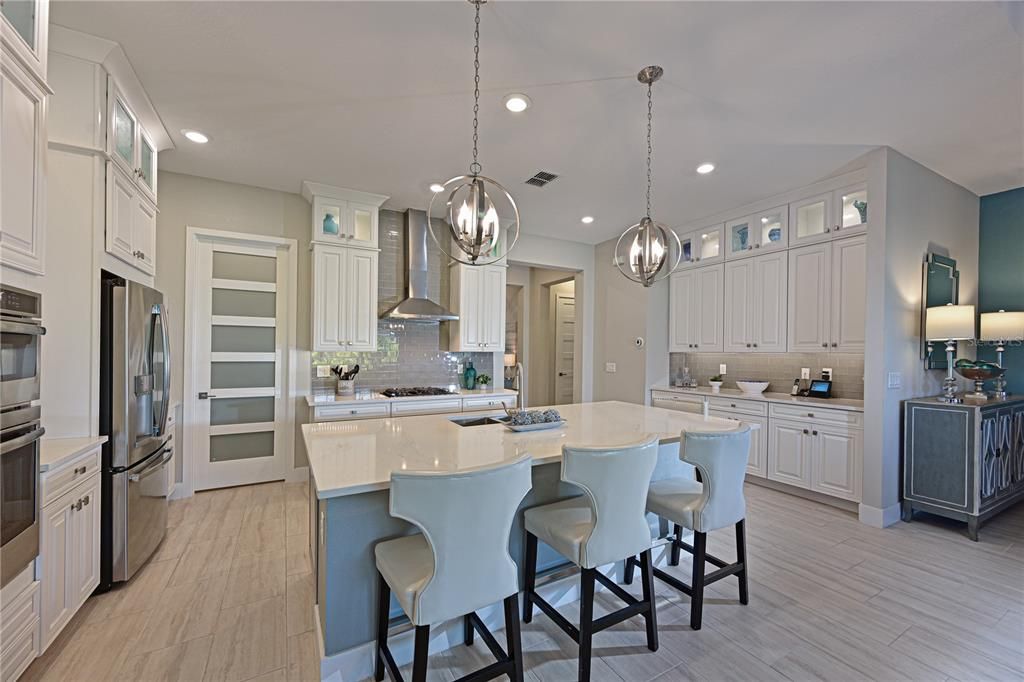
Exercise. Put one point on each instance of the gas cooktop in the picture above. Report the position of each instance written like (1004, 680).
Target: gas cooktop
(414, 391)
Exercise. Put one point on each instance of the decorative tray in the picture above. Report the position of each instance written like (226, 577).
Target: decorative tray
(530, 427)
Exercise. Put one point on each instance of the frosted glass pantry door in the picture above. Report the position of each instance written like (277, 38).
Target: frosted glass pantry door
(238, 327)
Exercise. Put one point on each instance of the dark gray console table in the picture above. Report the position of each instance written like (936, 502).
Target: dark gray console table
(963, 461)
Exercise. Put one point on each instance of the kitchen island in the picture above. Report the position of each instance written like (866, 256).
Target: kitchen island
(350, 467)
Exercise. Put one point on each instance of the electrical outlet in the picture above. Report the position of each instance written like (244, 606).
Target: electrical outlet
(826, 373)
(323, 371)
(894, 380)
(805, 372)
(610, 367)
(721, 369)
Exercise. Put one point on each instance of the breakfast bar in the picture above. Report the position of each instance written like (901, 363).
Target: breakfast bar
(351, 463)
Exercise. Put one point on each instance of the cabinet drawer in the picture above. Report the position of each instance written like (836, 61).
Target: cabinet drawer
(692, 398)
(492, 403)
(19, 651)
(410, 407)
(739, 405)
(21, 610)
(56, 483)
(351, 411)
(818, 414)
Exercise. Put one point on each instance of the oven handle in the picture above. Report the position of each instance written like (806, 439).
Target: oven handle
(20, 441)
(22, 328)
(152, 468)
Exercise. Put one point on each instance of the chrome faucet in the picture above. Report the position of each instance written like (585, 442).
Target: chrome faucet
(518, 383)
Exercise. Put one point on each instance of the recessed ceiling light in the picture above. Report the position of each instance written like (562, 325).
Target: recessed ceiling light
(517, 102)
(705, 168)
(764, 220)
(436, 187)
(195, 136)
(587, 219)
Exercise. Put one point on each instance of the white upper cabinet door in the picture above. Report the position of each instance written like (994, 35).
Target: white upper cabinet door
(709, 308)
(681, 314)
(123, 131)
(688, 245)
(361, 224)
(709, 244)
(144, 235)
(468, 299)
(789, 453)
(22, 167)
(330, 220)
(771, 229)
(329, 298)
(739, 306)
(851, 210)
(740, 237)
(809, 283)
(147, 165)
(121, 207)
(849, 295)
(493, 309)
(770, 302)
(85, 574)
(361, 309)
(836, 461)
(24, 30)
(811, 220)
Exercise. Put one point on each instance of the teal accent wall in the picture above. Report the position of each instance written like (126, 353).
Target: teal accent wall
(1001, 271)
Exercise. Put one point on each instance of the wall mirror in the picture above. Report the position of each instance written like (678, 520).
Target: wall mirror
(940, 285)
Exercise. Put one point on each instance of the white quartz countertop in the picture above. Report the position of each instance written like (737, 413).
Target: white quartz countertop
(848, 404)
(346, 458)
(55, 451)
(367, 395)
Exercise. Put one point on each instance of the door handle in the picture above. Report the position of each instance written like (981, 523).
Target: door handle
(562, 374)
(152, 468)
(203, 395)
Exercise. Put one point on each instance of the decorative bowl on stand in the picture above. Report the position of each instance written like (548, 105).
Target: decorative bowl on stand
(751, 386)
(979, 373)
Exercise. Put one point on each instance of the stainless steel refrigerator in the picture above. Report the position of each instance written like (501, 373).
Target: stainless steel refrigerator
(135, 375)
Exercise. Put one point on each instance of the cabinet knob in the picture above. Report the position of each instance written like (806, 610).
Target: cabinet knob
(814, 433)
(757, 245)
(805, 432)
(828, 229)
(696, 259)
(755, 345)
(824, 345)
(748, 345)
(750, 247)
(732, 404)
(352, 411)
(86, 500)
(838, 227)
(811, 415)
(835, 345)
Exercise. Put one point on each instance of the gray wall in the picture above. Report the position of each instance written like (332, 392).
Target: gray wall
(778, 368)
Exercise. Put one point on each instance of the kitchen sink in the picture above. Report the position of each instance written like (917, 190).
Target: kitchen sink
(475, 421)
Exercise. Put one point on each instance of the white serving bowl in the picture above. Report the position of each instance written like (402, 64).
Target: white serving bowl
(752, 387)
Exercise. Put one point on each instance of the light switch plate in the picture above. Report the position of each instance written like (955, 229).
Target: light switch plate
(323, 371)
(894, 380)
(805, 372)
(610, 367)
(721, 368)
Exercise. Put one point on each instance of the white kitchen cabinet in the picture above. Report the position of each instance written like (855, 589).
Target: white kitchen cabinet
(478, 298)
(344, 298)
(811, 219)
(696, 310)
(789, 453)
(24, 31)
(756, 304)
(756, 233)
(837, 461)
(69, 553)
(851, 210)
(827, 296)
(131, 221)
(129, 145)
(22, 164)
(343, 217)
(757, 459)
(19, 624)
(708, 246)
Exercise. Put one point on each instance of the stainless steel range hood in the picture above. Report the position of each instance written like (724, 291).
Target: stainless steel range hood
(417, 306)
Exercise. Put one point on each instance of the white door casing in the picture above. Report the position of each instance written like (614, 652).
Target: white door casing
(239, 369)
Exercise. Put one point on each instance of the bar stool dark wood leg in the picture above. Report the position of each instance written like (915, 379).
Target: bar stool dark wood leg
(673, 557)
(586, 621)
(697, 587)
(421, 653)
(467, 630)
(741, 558)
(531, 575)
(383, 612)
(627, 573)
(513, 638)
(650, 616)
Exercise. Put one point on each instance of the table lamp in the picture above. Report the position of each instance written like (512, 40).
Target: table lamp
(949, 323)
(1002, 327)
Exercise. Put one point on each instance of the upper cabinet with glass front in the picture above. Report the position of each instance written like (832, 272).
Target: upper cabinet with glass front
(703, 246)
(343, 216)
(130, 146)
(754, 234)
(24, 33)
(829, 215)
(851, 214)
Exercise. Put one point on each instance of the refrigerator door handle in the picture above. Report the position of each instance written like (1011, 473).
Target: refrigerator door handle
(152, 468)
(164, 409)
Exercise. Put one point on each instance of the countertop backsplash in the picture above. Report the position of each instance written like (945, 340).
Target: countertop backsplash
(778, 368)
(408, 353)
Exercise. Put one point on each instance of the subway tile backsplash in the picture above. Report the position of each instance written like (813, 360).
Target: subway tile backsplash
(408, 353)
(778, 368)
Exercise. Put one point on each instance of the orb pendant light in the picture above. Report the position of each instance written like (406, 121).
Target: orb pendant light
(648, 251)
(481, 216)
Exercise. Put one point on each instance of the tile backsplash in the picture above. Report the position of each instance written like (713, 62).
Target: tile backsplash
(408, 353)
(778, 368)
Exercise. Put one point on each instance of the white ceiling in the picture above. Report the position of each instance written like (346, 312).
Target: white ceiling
(377, 96)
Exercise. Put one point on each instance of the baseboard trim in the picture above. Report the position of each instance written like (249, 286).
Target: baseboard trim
(297, 475)
(878, 518)
(357, 663)
(814, 496)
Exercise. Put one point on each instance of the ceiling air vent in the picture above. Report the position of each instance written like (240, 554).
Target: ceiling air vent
(541, 178)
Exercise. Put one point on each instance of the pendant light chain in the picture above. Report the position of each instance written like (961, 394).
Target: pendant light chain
(475, 167)
(650, 148)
